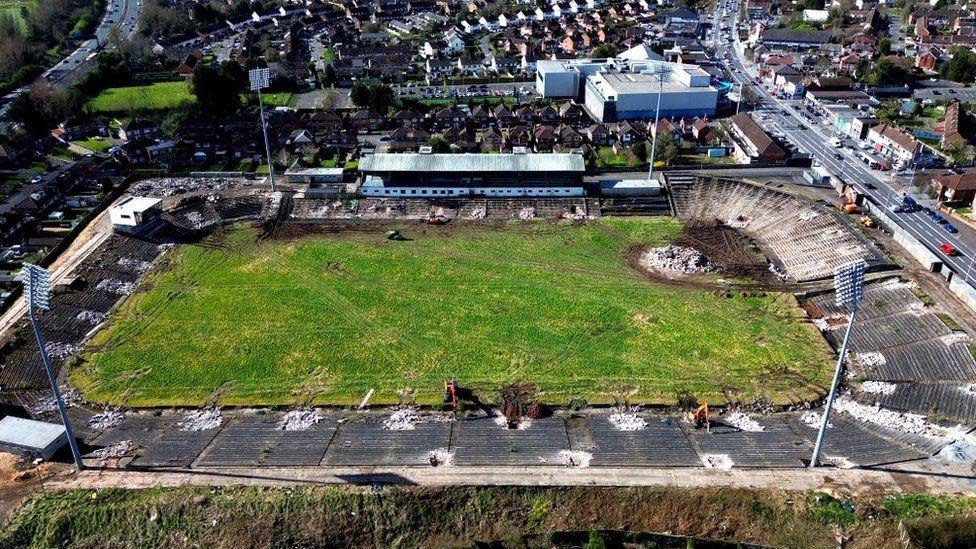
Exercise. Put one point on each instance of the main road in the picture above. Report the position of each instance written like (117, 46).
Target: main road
(810, 137)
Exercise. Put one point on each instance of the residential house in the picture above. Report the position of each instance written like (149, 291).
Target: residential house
(958, 188)
(751, 143)
(138, 128)
(598, 135)
(894, 143)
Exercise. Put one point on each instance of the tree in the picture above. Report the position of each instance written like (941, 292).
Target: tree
(884, 46)
(886, 73)
(360, 95)
(438, 144)
(748, 95)
(961, 67)
(604, 50)
(665, 150)
(378, 97)
(217, 94)
(640, 150)
(329, 78)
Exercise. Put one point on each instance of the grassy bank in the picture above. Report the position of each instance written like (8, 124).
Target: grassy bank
(332, 316)
(462, 517)
(157, 96)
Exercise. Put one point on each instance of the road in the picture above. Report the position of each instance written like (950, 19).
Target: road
(119, 14)
(789, 118)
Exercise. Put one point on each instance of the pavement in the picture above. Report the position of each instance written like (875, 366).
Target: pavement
(879, 187)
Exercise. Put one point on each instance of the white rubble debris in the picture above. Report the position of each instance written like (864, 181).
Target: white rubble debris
(813, 419)
(173, 186)
(958, 452)
(402, 420)
(135, 265)
(48, 405)
(905, 422)
(717, 461)
(479, 213)
(91, 317)
(627, 422)
(841, 462)
(969, 389)
(502, 421)
(737, 221)
(201, 420)
(575, 458)
(60, 351)
(955, 338)
(916, 308)
(870, 359)
(196, 218)
(807, 215)
(743, 422)
(115, 286)
(878, 388)
(526, 213)
(299, 420)
(109, 418)
(677, 259)
(827, 323)
(440, 457)
(777, 273)
(575, 216)
(117, 450)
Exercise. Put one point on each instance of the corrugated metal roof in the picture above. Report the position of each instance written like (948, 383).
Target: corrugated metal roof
(472, 162)
(27, 433)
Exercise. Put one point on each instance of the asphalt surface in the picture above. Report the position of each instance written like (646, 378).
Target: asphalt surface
(811, 137)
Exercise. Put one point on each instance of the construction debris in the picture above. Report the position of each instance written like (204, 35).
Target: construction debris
(955, 338)
(135, 265)
(402, 420)
(905, 422)
(522, 423)
(164, 187)
(479, 213)
(870, 359)
(575, 458)
(841, 462)
(60, 351)
(108, 418)
(117, 450)
(813, 419)
(115, 286)
(717, 461)
(201, 420)
(518, 403)
(526, 213)
(878, 388)
(743, 422)
(958, 452)
(676, 259)
(827, 323)
(299, 420)
(440, 457)
(627, 421)
(50, 404)
(90, 317)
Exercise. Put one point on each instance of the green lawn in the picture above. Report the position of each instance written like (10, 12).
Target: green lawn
(272, 100)
(158, 96)
(94, 145)
(331, 316)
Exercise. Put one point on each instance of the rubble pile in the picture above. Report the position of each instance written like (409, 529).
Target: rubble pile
(878, 388)
(137, 266)
(743, 422)
(201, 420)
(109, 418)
(60, 351)
(827, 323)
(717, 461)
(955, 337)
(402, 420)
(677, 259)
(905, 422)
(959, 452)
(527, 213)
(841, 462)
(115, 286)
(479, 213)
(524, 422)
(117, 450)
(575, 458)
(870, 360)
(627, 422)
(807, 215)
(440, 457)
(813, 419)
(299, 420)
(48, 405)
(91, 317)
(160, 188)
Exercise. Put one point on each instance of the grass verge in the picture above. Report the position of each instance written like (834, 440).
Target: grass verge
(157, 96)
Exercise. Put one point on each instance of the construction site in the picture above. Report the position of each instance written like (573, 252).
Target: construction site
(437, 341)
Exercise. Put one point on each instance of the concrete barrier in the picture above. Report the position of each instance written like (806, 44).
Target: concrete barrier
(911, 244)
(963, 291)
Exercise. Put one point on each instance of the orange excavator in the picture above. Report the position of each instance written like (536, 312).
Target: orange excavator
(437, 217)
(703, 418)
(451, 393)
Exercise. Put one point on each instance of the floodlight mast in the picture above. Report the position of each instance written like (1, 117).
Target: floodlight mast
(662, 72)
(37, 292)
(848, 289)
(260, 79)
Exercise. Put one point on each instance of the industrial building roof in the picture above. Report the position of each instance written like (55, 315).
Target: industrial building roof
(471, 162)
(136, 204)
(629, 82)
(27, 433)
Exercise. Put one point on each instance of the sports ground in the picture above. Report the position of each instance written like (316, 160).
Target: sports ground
(325, 318)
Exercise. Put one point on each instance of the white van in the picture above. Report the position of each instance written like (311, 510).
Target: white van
(834, 142)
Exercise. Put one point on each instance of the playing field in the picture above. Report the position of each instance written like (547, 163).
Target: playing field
(158, 96)
(326, 318)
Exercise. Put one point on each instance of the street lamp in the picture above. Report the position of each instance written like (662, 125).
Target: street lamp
(260, 79)
(848, 291)
(37, 292)
(663, 72)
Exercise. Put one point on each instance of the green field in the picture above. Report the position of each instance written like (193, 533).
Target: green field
(325, 318)
(158, 96)
(280, 99)
(94, 145)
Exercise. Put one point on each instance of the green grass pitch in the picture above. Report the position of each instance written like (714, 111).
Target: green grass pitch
(325, 318)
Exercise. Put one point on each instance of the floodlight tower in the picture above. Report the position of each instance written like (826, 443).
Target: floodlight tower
(260, 79)
(663, 72)
(37, 292)
(848, 291)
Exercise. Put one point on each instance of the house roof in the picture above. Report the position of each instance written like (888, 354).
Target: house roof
(797, 36)
(898, 137)
(957, 182)
(758, 137)
(410, 162)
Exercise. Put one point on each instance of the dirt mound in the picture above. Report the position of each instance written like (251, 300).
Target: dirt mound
(728, 248)
(679, 260)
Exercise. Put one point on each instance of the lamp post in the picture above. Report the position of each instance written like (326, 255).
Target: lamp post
(848, 291)
(260, 79)
(663, 72)
(37, 292)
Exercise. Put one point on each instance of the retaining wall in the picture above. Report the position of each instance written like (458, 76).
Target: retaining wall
(911, 244)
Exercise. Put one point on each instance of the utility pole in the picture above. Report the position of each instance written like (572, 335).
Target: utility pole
(37, 292)
(662, 72)
(260, 79)
(848, 291)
